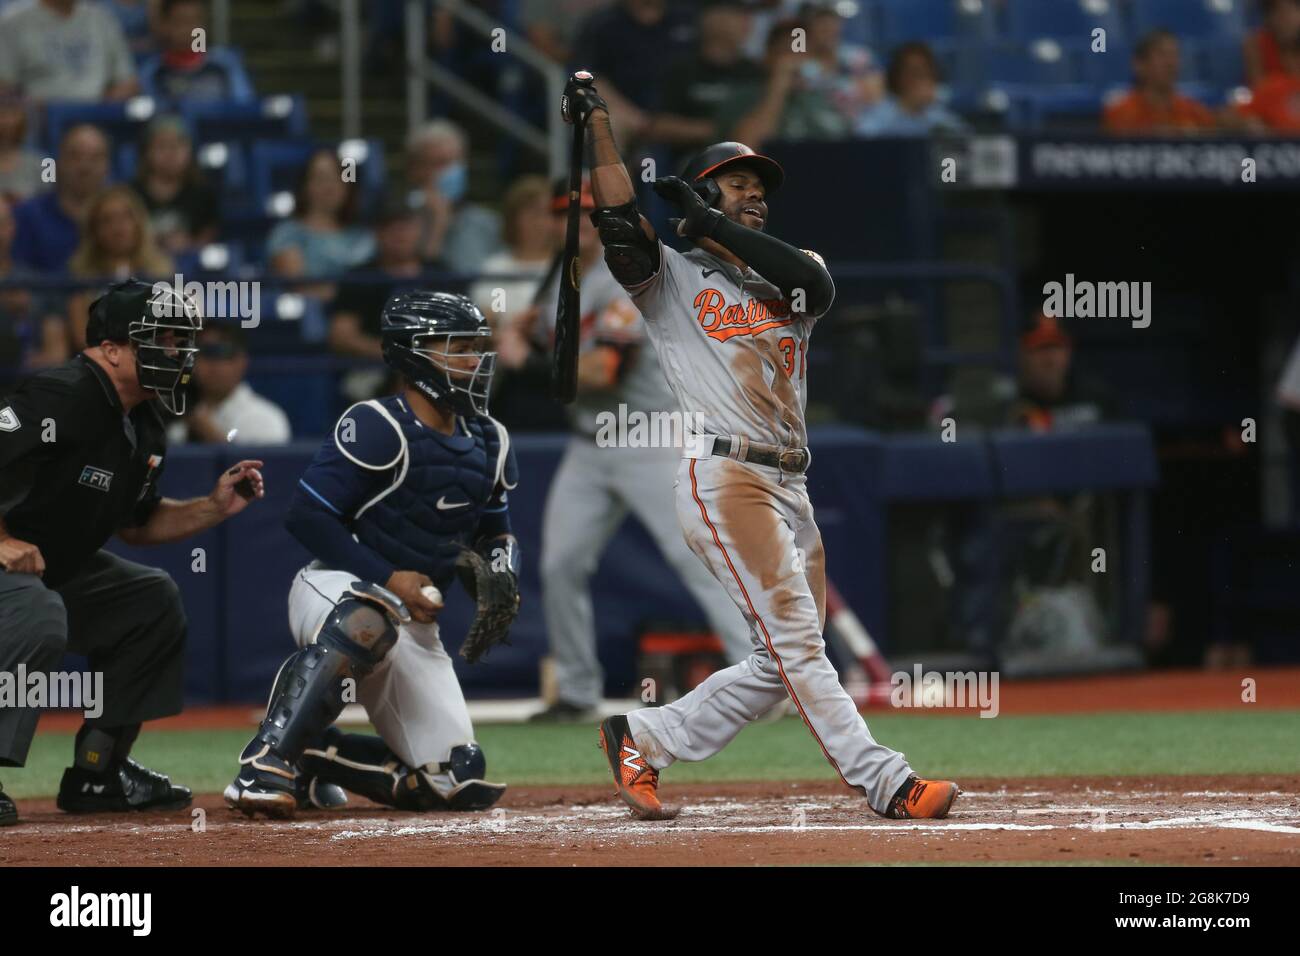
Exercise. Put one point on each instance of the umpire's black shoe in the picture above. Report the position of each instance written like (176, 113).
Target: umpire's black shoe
(126, 786)
(8, 812)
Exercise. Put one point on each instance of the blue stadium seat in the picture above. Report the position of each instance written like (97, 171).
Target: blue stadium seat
(1067, 106)
(1217, 61)
(213, 260)
(1189, 18)
(119, 121)
(271, 117)
(1041, 62)
(902, 20)
(276, 166)
(1112, 68)
(1065, 19)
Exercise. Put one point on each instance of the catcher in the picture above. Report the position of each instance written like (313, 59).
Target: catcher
(406, 494)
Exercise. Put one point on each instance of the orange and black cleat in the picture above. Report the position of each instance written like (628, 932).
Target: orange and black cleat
(634, 779)
(919, 799)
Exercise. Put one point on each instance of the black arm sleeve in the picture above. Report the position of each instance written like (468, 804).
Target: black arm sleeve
(786, 267)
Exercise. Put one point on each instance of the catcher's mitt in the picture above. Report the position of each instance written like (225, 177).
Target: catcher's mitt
(496, 600)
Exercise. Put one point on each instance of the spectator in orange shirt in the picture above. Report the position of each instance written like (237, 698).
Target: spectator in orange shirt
(1274, 104)
(1263, 48)
(1154, 105)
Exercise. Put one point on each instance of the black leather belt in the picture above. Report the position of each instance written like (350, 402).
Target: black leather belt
(793, 461)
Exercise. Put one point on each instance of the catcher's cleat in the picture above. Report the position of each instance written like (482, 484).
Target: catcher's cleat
(264, 784)
(8, 812)
(634, 779)
(124, 787)
(919, 799)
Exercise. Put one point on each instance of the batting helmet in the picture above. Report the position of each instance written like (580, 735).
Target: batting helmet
(703, 166)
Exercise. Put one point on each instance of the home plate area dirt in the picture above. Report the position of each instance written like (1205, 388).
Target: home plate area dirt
(1223, 820)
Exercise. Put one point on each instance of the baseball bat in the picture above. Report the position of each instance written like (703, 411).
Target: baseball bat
(564, 362)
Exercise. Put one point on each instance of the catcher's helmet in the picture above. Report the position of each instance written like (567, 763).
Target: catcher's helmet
(417, 329)
(711, 161)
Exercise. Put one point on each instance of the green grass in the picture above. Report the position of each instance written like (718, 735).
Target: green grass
(1202, 742)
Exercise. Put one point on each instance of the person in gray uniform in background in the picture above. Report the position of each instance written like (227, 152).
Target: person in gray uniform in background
(617, 461)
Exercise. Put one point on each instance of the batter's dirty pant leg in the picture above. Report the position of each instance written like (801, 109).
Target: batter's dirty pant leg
(582, 513)
(129, 622)
(33, 633)
(648, 482)
(760, 540)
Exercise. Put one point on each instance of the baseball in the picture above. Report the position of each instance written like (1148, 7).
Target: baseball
(433, 594)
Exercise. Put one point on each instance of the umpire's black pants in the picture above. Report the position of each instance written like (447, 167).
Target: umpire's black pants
(125, 618)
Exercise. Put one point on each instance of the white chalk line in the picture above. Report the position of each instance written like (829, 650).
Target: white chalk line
(709, 816)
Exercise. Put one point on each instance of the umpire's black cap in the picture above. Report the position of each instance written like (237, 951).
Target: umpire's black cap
(113, 312)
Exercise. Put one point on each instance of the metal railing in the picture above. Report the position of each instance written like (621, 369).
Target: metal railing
(421, 71)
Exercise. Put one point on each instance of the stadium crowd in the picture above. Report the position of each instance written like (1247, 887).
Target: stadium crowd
(151, 190)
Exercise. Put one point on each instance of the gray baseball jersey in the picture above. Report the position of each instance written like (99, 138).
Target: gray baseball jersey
(732, 350)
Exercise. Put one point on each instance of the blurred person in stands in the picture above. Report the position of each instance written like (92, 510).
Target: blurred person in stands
(117, 243)
(552, 25)
(509, 278)
(1262, 48)
(182, 206)
(818, 94)
(631, 47)
(1051, 393)
(134, 17)
(20, 167)
(455, 234)
(321, 240)
(65, 50)
(355, 311)
(187, 69)
(1274, 104)
(911, 106)
(227, 408)
(33, 331)
(1154, 105)
(49, 225)
(706, 90)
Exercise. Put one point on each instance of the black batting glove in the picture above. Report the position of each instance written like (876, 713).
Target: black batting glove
(699, 219)
(580, 99)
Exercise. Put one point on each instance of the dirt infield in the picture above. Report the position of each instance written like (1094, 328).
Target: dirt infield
(1227, 820)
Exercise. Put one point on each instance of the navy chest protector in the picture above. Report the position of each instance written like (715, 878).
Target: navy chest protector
(440, 486)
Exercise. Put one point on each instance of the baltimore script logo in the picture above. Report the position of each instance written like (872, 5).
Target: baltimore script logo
(721, 321)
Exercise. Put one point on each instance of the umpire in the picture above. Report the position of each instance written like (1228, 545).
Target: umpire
(81, 451)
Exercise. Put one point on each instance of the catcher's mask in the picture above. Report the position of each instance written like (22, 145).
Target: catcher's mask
(161, 324)
(441, 343)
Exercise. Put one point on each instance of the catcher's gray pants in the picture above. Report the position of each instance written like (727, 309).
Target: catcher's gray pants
(128, 621)
(412, 697)
(593, 491)
(753, 526)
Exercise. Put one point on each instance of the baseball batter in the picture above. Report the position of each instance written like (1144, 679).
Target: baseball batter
(730, 321)
(598, 484)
